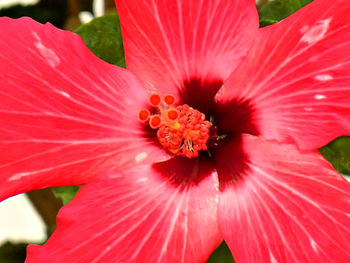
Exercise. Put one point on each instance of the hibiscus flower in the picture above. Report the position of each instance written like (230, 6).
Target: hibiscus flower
(253, 104)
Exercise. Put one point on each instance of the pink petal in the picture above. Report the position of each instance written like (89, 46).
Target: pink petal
(65, 115)
(297, 76)
(169, 44)
(289, 206)
(135, 216)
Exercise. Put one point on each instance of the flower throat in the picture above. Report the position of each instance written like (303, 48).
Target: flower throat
(181, 130)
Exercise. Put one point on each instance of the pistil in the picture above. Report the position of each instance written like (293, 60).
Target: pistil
(181, 130)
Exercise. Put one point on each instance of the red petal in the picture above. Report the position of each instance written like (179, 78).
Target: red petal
(169, 42)
(297, 76)
(290, 206)
(135, 216)
(64, 114)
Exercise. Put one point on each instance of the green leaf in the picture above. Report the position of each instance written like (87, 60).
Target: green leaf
(338, 154)
(66, 194)
(221, 255)
(103, 37)
(276, 10)
(267, 22)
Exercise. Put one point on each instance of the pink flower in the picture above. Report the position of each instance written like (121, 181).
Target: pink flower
(274, 96)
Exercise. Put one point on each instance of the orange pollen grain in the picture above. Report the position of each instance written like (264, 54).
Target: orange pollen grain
(169, 100)
(143, 115)
(155, 121)
(172, 114)
(154, 100)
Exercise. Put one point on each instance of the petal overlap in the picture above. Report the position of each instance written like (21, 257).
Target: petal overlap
(65, 115)
(289, 206)
(170, 42)
(297, 76)
(135, 216)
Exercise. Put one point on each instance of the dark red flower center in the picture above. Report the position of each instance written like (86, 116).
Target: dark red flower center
(203, 134)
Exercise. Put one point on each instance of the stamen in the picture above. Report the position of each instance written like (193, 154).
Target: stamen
(143, 115)
(154, 100)
(169, 100)
(172, 114)
(182, 130)
(155, 121)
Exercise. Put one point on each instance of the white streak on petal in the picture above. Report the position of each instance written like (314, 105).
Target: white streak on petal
(272, 258)
(314, 245)
(308, 109)
(18, 176)
(323, 77)
(316, 32)
(142, 180)
(64, 94)
(46, 52)
(140, 157)
(320, 97)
